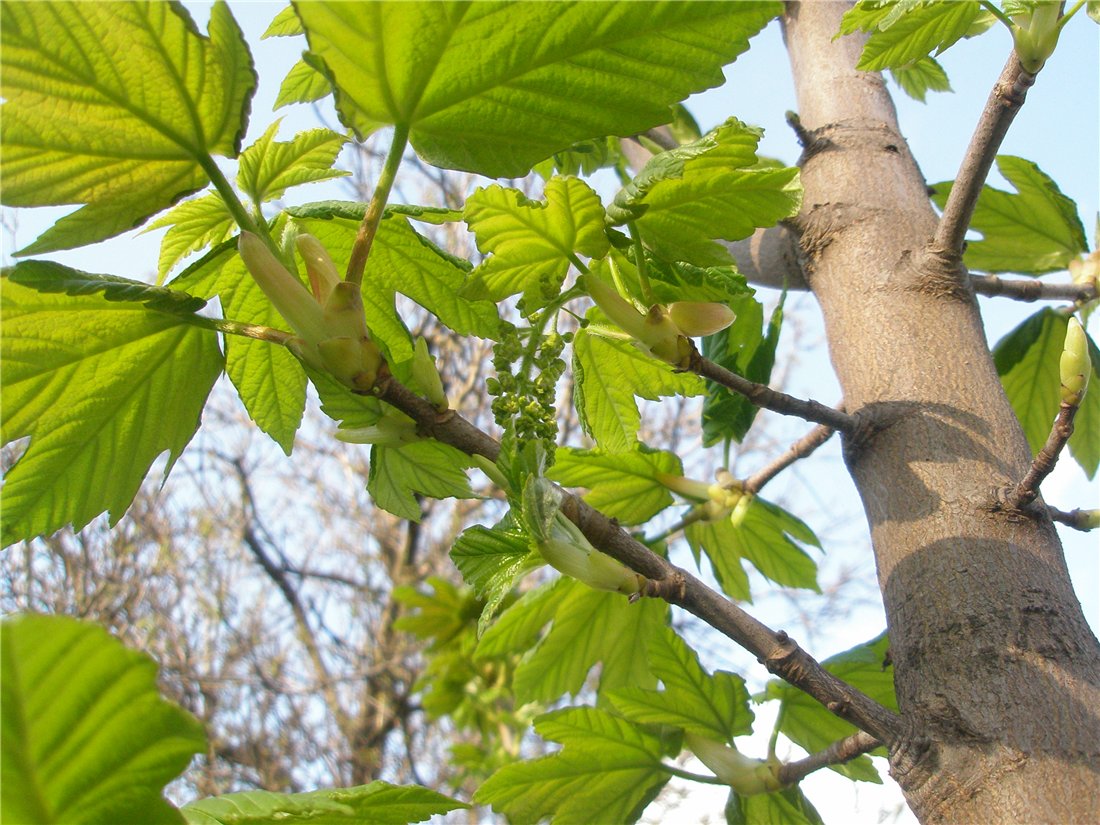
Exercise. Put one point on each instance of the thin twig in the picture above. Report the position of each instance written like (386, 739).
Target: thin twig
(780, 402)
(1041, 466)
(1031, 290)
(800, 449)
(1004, 102)
(1078, 519)
(837, 753)
(775, 650)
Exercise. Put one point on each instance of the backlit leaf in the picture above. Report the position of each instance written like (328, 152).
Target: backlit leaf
(87, 737)
(607, 771)
(302, 84)
(492, 560)
(920, 77)
(114, 105)
(430, 468)
(531, 243)
(686, 199)
(496, 87)
(102, 388)
(269, 167)
(621, 485)
(908, 31)
(192, 225)
(1033, 231)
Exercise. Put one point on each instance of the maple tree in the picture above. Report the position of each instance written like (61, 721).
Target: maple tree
(124, 109)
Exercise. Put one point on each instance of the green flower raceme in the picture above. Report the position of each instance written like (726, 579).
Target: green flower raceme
(329, 323)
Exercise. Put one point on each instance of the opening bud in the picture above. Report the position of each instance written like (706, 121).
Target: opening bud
(744, 775)
(427, 376)
(698, 318)
(1035, 34)
(390, 431)
(323, 275)
(284, 290)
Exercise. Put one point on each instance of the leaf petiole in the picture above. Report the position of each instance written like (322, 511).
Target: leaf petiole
(364, 239)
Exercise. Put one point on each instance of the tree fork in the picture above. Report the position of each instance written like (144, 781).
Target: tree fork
(997, 672)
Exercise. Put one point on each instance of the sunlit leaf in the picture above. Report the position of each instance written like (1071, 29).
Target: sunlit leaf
(609, 374)
(496, 87)
(269, 167)
(379, 803)
(116, 106)
(192, 225)
(492, 560)
(302, 84)
(621, 485)
(687, 199)
(607, 771)
(1034, 231)
(429, 468)
(531, 243)
(908, 31)
(48, 276)
(920, 77)
(87, 737)
(710, 705)
(102, 388)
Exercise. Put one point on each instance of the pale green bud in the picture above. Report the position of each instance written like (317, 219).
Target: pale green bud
(698, 318)
(741, 509)
(1090, 519)
(286, 292)
(654, 332)
(323, 275)
(1074, 366)
(744, 775)
(686, 487)
(1036, 34)
(427, 376)
(590, 566)
(390, 431)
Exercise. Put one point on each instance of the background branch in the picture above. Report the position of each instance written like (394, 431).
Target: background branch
(837, 753)
(1020, 289)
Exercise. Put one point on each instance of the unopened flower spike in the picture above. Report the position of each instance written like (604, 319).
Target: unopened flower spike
(1074, 366)
(654, 332)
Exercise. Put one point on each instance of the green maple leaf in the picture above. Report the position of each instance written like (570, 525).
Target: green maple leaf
(496, 87)
(87, 736)
(492, 561)
(907, 31)
(379, 803)
(116, 106)
(590, 626)
(532, 243)
(710, 705)
(607, 771)
(101, 388)
(269, 167)
(806, 722)
(431, 468)
(192, 225)
(920, 77)
(1034, 231)
(622, 486)
(768, 537)
(609, 374)
(686, 199)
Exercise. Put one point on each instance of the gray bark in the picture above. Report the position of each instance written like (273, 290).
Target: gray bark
(997, 672)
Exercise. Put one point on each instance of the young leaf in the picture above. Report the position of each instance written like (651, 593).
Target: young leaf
(302, 84)
(590, 626)
(102, 388)
(621, 485)
(518, 626)
(711, 705)
(496, 88)
(807, 723)
(744, 349)
(86, 83)
(47, 276)
(1034, 231)
(920, 77)
(439, 616)
(284, 24)
(268, 378)
(607, 771)
(1027, 361)
(609, 374)
(87, 737)
(269, 167)
(687, 198)
(908, 31)
(379, 803)
(430, 468)
(492, 560)
(786, 807)
(768, 537)
(193, 225)
(531, 243)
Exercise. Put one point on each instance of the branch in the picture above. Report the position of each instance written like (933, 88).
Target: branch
(1004, 102)
(775, 650)
(1031, 290)
(800, 449)
(1041, 466)
(1083, 520)
(837, 753)
(773, 400)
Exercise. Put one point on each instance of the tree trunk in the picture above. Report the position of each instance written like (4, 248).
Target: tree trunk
(997, 672)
